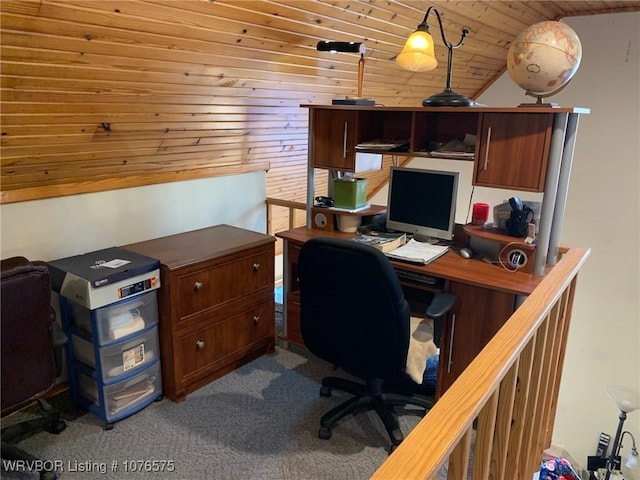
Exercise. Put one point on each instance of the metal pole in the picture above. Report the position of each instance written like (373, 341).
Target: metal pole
(563, 188)
(311, 182)
(286, 282)
(612, 458)
(550, 191)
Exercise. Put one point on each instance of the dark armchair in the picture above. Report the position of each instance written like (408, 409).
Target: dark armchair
(354, 315)
(31, 352)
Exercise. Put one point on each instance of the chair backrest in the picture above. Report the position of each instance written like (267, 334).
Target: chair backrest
(27, 355)
(353, 312)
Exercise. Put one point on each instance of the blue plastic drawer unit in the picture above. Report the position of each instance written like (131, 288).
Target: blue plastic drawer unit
(109, 307)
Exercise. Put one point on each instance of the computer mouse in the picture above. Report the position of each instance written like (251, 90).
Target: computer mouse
(466, 252)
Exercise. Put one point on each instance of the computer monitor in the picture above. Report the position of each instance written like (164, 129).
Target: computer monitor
(422, 203)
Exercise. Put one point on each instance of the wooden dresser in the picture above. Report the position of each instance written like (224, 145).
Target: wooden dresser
(216, 303)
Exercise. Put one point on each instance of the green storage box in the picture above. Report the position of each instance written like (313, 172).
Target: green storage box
(349, 193)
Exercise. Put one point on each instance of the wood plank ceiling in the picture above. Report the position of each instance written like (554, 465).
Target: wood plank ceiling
(98, 95)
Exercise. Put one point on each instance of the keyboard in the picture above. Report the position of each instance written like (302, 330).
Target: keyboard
(417, 277)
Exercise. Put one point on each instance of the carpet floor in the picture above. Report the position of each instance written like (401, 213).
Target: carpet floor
(259, 422)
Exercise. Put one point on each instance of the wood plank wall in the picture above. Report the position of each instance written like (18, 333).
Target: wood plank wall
(98, 95)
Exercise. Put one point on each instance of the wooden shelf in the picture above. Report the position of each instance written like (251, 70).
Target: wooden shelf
(372, 210)
(493, 234)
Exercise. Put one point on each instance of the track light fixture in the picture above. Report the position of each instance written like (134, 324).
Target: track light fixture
(348, 47)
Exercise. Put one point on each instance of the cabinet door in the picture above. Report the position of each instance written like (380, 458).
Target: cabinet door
(292, 294)
(334, 139)
(513, 150)
(476, 317)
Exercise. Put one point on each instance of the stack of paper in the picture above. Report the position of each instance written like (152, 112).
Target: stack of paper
(418, 252)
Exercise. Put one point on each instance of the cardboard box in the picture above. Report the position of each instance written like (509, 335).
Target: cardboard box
(349, 193)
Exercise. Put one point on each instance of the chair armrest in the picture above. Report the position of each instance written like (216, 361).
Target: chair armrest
(60, 339)
(440, 305)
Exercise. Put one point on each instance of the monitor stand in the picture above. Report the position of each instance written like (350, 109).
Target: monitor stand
(425, 239)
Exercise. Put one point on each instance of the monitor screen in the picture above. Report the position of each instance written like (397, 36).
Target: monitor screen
(422, 202)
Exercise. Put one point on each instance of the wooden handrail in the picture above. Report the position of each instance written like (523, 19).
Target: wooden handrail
(511, 387)
(276, 202)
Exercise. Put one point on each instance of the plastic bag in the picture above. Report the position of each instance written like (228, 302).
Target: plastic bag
(557, 469)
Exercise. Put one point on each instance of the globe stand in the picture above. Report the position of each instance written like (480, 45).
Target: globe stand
(540, 96)
(539, 103)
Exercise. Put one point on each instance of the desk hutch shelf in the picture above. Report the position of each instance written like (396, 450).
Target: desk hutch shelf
(528, 148)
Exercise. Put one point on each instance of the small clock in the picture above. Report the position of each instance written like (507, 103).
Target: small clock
(322, 219)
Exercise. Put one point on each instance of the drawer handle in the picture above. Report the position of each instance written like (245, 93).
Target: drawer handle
(200, 345)
(450, 359)
(256, 319)
(486, 152)
(256, 267)
(344, 140)
(198, 286)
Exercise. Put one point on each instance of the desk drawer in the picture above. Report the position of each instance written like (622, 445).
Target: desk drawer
(226, 340)
(225, 281)
(294, 333)
(294, 252)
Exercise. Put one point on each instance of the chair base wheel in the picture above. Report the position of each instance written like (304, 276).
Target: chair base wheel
(56, 427)
(48, 475)
(396, 437)
(324, 433)
(325, 391)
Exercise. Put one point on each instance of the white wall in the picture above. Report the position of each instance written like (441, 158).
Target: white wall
(60, 227)
(602, 213)
(466, 194)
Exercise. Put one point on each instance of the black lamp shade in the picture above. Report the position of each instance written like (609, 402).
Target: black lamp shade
(347, 47)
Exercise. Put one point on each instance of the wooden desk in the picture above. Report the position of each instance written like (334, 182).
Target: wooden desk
(487, 296)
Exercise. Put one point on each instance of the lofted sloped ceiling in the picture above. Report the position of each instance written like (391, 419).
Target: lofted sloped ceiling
(98, 95)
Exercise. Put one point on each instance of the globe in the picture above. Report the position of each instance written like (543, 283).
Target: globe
(544, 57)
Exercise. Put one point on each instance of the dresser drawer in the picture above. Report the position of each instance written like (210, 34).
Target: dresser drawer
(225, 340)
(225, 281)
(214, 281)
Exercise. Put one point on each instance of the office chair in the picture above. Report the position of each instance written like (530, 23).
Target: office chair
(31, 356)
(354, 315)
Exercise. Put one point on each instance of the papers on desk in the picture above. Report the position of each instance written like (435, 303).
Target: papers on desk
(418, 252)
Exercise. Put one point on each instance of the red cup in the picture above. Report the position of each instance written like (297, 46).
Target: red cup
(480, 213)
